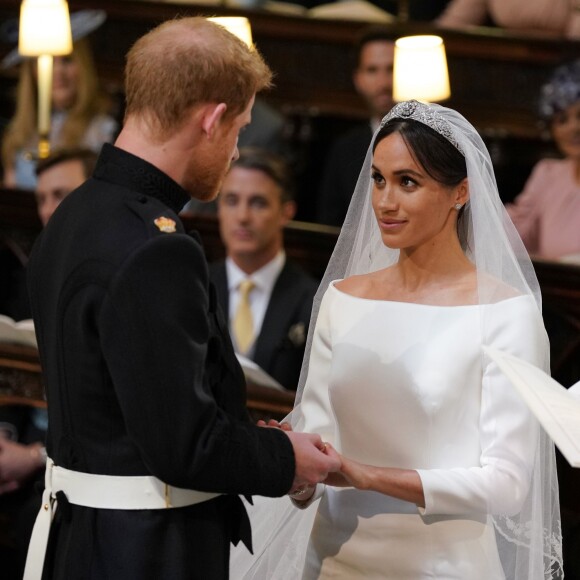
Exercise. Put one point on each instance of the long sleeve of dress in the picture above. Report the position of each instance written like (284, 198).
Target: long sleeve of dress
(508, 432)
(315, 408)
(315, 404)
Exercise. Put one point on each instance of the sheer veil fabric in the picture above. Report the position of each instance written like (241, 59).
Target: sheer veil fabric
(529, 542)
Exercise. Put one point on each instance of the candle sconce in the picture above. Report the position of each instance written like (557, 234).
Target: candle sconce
(45, 31)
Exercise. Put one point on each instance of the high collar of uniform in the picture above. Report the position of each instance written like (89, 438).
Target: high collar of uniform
(123, 168)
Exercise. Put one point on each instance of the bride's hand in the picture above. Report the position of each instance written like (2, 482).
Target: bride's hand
(351, 474)
(336, 479)
(355, 474)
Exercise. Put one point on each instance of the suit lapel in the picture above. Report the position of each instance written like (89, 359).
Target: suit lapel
(284, 296)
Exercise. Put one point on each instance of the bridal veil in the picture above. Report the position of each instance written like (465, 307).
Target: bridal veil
(529, 542)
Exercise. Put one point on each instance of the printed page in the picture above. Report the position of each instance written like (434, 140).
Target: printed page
(17, 332)
(557, 408)
(258, 376)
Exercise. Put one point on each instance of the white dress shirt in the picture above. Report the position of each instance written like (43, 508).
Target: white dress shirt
(264, 280)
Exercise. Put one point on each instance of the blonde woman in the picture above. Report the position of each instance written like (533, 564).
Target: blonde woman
(79, 109)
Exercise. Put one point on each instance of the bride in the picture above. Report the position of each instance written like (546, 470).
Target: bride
(445, 474)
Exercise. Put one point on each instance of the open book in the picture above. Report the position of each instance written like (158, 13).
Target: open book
(257, 375)
(17, 332)
(557, 408)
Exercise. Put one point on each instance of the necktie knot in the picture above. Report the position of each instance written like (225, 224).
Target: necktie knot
(243, 323)
(246, 286)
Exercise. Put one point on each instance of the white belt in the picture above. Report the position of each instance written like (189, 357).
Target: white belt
(104, 492)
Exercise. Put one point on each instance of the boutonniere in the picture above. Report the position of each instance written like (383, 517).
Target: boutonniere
(297, 334)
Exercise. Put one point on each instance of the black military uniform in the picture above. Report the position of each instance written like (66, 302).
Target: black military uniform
(142, 379)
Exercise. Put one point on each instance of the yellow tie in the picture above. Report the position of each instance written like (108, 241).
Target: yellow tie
(243, 323)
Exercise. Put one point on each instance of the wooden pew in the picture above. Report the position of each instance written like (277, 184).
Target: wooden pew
(560, 285)
(20, 376)
(21, 384)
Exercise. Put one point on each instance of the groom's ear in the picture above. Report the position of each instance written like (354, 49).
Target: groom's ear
(212, 117)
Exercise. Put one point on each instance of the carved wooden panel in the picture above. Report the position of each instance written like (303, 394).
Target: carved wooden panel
(20, 376)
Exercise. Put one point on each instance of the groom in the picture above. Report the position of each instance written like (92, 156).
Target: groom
(149, 443)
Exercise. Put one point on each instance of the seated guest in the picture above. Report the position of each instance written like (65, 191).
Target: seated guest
(559, 17)
(418, 10)
(547, 212)
(58, 175)
(267, 298)
(373, 80)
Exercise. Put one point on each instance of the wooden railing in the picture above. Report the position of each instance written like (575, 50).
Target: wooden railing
(21, 384)
(20, 376)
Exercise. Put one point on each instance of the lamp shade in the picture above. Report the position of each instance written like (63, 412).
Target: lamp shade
(420, 69)
(237, 25)
(44, 28)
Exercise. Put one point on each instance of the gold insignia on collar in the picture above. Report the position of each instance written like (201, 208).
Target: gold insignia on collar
(165, 224)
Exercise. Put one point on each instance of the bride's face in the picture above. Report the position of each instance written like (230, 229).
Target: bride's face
(412, 209)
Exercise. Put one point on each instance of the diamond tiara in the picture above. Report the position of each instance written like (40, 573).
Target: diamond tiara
(424, 114)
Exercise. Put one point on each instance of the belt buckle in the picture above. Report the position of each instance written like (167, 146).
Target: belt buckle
(167, 497)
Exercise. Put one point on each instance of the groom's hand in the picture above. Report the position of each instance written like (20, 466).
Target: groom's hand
(314, 460)
(273, 423)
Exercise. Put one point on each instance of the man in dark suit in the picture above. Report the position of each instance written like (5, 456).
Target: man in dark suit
(149, 443)
(255, 204)
(373, 80)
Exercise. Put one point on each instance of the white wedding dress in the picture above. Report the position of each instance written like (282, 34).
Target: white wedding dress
(406, 385)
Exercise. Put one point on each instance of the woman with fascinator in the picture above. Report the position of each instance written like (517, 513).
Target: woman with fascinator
(547, 211)
(445, 473)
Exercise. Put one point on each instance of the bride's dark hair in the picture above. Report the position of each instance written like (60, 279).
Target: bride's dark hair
(438, 157)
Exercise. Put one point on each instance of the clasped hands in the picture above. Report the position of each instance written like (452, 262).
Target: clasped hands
(318, 462)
